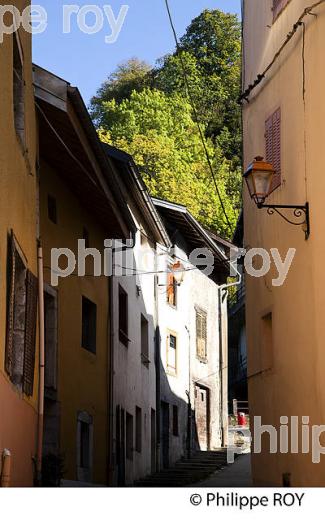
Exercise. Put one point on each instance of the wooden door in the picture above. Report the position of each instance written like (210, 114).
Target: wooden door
(202, 416)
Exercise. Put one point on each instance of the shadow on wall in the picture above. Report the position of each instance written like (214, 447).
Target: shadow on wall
(176, 422)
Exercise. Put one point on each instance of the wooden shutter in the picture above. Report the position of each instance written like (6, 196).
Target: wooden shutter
(30, 332)
(201, 334)
(278, 6)
(11, 262)
(273, 146)
(171, 293)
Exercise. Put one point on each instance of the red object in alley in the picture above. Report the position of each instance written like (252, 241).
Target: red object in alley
(241, 419)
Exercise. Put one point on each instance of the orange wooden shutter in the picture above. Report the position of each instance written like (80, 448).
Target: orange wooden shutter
(278, 6)
(11, 259)
(273, 146)
(170, 289)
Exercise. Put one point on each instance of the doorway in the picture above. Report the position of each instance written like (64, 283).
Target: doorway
(165, 433)
(202, 417)
(153, 441)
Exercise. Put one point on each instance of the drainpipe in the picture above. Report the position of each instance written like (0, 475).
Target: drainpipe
(189, 405)
(111, 377)
(41, 364)
(6, 469)
(157, 366)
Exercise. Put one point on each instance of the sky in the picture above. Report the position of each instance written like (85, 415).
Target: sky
(85, 60)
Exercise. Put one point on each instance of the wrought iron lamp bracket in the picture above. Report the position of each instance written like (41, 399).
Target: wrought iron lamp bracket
(297, 213)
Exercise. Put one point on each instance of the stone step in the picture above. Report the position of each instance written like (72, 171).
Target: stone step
(187, 471)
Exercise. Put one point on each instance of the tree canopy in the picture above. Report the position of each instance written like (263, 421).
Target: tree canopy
(148, 113)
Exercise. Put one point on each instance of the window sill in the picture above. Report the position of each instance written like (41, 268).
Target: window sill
(124, 338)
(202, 360)
(145, 360)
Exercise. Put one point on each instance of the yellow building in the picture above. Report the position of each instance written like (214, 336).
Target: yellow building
(284, 122)
(78, 201)
(18, 261)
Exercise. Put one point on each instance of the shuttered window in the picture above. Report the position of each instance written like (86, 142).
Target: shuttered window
(201, 334)
(10, 305)
(18, 88)
(278, 6)
(22, 290)
(273, 146)
(30, 332)
(171, 290)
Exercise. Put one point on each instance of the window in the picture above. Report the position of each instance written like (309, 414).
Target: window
(144, 341)
(51, 323)
(138, 429)
(172, 353)
(85, 236)
(171, 290)
(175, 421)
(18, 88)
(201, 335)
(22, 292)
(89, 322)
(129, 436)
(123, 316)
(273, 146)
(267, 342)
(278, 6)
(84, 446)
(51, 209)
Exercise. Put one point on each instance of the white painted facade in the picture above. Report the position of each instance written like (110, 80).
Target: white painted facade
(135, 376)
(150, 400)
(193, 375)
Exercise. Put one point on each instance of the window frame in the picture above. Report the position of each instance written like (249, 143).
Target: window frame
(18, 87)
(123, 334)
(203, 314)
(52, 208)
(145, 342)
(172, 370)
(84, 474)
(92, 346)
(138, 429)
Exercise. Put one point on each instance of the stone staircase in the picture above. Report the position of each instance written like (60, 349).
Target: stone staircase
(199, 467)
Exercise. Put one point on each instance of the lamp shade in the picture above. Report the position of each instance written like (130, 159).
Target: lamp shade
(258, 177)
(178, 272)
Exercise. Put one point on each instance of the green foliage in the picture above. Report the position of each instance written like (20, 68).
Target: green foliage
(148, 114)
(131, 75)
(210, 53)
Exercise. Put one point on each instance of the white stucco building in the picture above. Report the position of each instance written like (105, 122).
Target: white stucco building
(193, 340)
(168, 363)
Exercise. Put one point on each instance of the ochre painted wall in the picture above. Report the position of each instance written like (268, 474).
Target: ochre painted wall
(18, 213)
(292, 385)
(82, 376)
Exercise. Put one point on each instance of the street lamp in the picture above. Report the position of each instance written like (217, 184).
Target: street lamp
(258, 177)
(178, 271)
